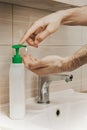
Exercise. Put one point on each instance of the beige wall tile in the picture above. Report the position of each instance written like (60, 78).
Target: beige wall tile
(80, 2)
(4, 91)
(4, 100)
(52, 50)
(5, 11)
(5, 24)
(66, 35)
(74, 2)
(5, 54)
(28, 13)
(84, 68)
(84, 35)
(31, 84)
(4, 84)
(5, 58)
(19, 29)
(84, 78)
(4, 71)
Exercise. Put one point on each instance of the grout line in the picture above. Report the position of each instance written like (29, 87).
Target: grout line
(55, 45)
(42, 45)
(82, 66)
(60, 45)
(4, 45)
(12, 22)
(81, 79)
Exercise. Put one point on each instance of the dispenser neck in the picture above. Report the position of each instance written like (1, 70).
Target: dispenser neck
(17, 58)
(17, 51)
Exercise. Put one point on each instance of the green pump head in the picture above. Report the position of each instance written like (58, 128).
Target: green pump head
(17, 58)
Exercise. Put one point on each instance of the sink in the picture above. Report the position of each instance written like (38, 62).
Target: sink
(68, 116)
(66, 111)
(5, 128)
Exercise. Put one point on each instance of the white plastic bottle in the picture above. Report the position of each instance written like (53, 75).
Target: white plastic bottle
(17, 86)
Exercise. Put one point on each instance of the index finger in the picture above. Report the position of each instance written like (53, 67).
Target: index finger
(30, 31)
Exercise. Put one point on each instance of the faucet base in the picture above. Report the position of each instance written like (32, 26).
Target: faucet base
(41, 102)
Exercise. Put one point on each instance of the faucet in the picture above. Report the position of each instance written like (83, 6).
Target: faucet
(44, 82)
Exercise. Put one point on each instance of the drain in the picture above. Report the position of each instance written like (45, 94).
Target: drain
(58, 112)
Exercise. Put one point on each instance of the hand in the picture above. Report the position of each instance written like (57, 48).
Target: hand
(42, 29)
(47, 65)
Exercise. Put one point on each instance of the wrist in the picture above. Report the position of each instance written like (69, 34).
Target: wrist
(68, 64)
(67, 15)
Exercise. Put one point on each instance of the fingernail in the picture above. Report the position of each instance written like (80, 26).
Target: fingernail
(35, 45)
(36, 42)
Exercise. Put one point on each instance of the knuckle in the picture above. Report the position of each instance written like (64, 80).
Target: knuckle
(26, 65)
(37, 22)
(28, 42)
(50, 30)
(29, 66)
(40, 38)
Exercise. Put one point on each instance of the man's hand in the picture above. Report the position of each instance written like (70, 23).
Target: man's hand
(42, 29)
(47, 65)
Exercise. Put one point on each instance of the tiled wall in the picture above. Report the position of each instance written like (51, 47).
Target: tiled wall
(14, 20)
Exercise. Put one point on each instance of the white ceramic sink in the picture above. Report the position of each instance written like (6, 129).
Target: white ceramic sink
(68, 116)
(67, 111)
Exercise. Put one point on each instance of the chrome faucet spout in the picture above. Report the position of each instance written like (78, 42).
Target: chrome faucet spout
(43, 85)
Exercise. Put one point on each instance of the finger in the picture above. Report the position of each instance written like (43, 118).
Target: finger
(37, 65)
(31, 42)
(40, 37)
(41, 71)
(34, 59)
(33, 28)
(27, 59)
(31, 62)
(40, 29)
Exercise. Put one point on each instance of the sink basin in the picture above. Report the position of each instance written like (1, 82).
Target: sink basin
(67, 111)
(5, 128)
(68, 116)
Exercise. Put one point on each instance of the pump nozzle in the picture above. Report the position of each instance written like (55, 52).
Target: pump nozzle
(17, 57)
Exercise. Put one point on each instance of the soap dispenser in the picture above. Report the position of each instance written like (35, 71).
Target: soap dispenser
(17, 85)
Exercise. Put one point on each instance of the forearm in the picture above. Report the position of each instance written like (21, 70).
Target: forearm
(78, 59)
(74, 16)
